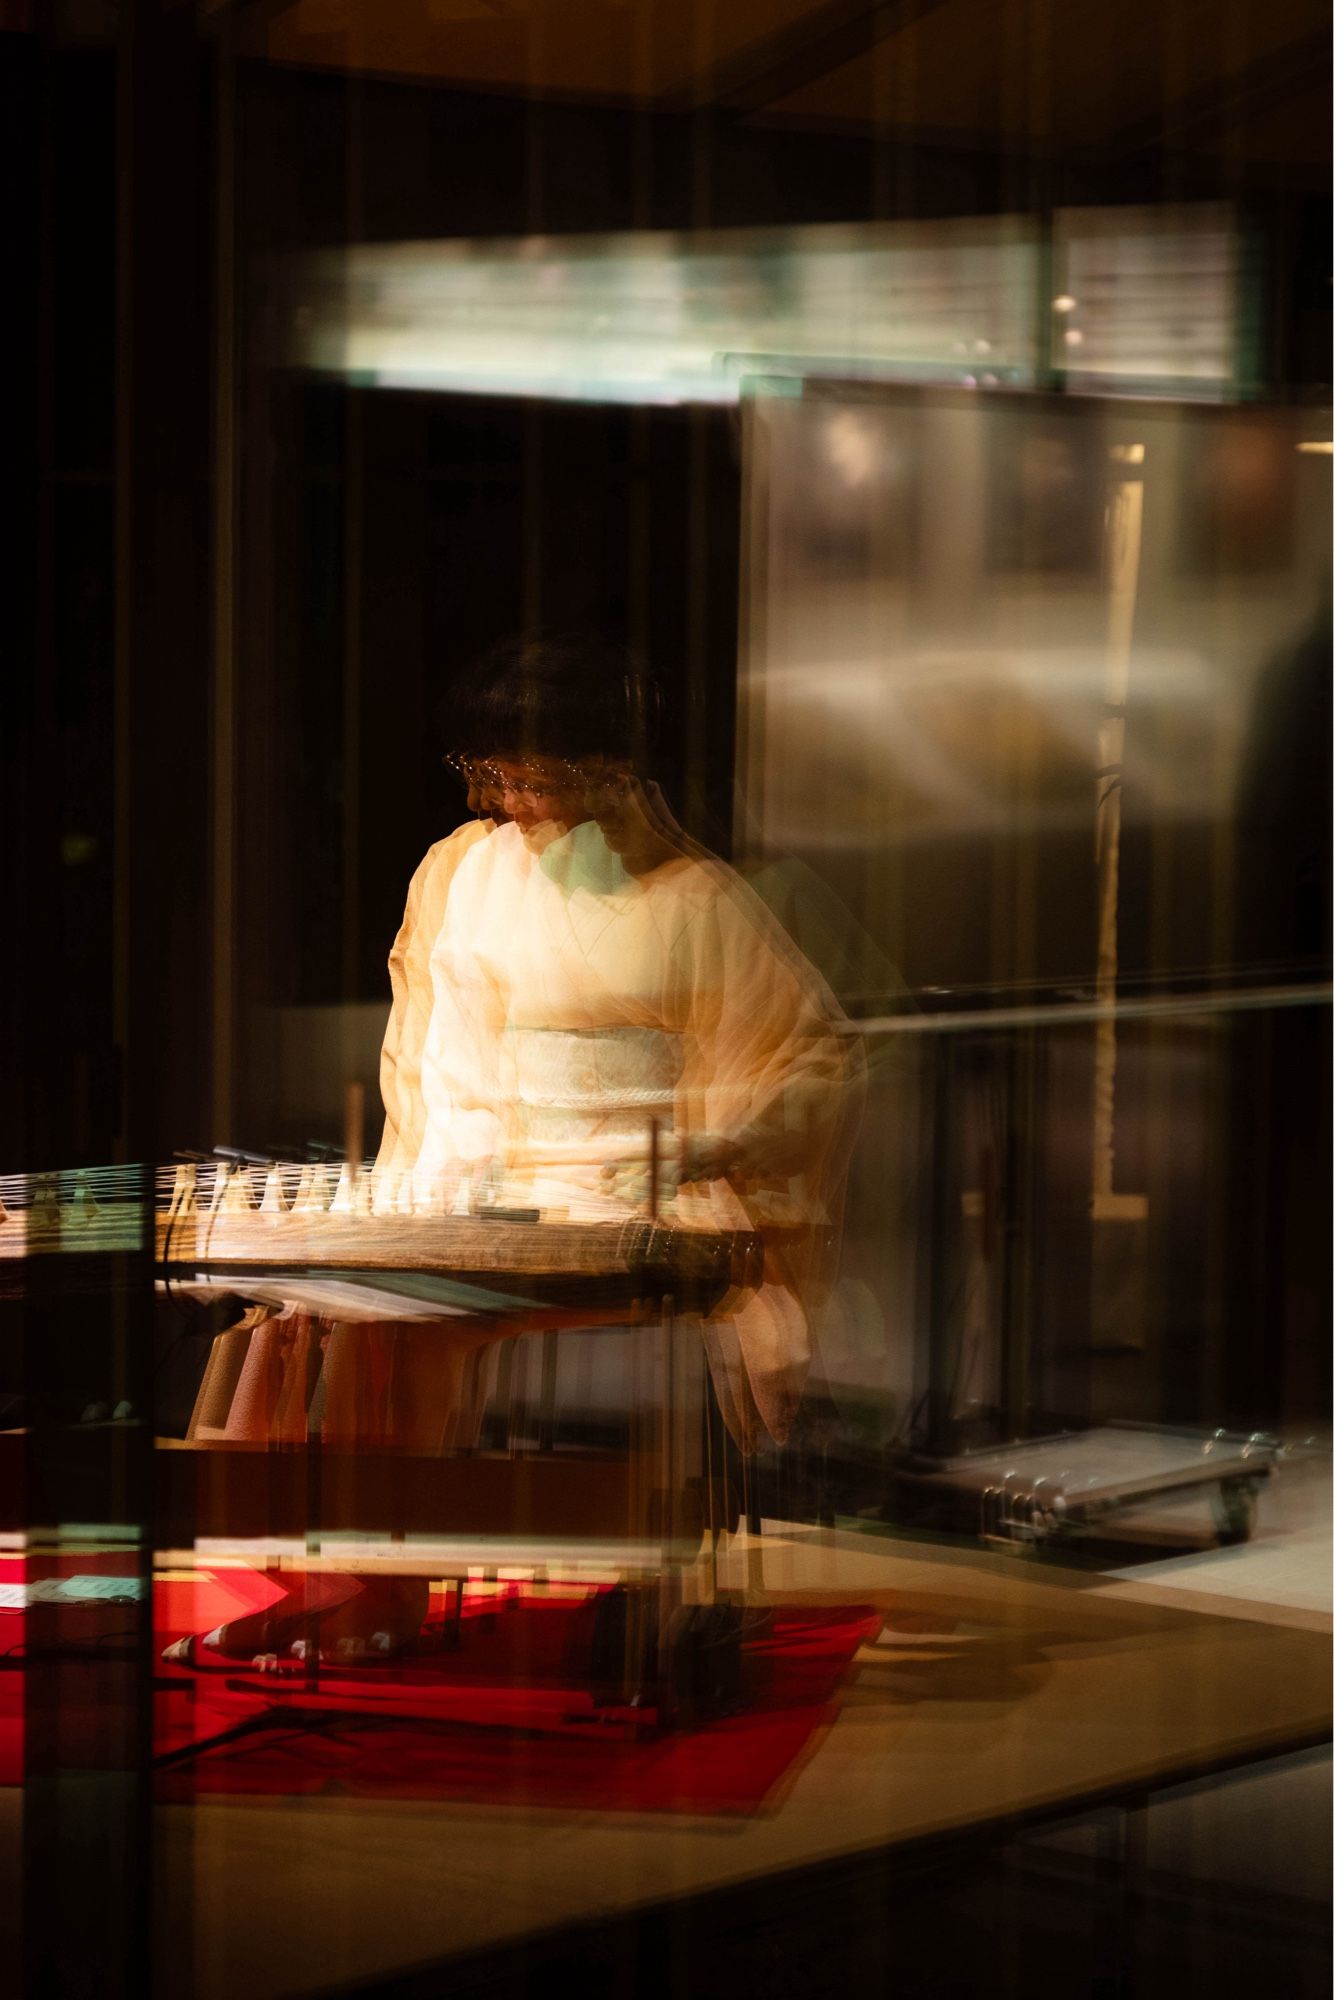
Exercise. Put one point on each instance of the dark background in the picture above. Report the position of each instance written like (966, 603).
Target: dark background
(236, 597)
(232, 600)
(380, 540)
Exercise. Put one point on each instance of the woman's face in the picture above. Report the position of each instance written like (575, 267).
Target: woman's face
(630, 825)
(484, 797)
(535, 791)
(552, 791)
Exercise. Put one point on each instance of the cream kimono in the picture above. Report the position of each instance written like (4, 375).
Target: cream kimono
(573, 1003)
(410, 1012)
(408, 1386)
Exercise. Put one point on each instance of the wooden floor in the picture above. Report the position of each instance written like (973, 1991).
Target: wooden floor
(999, 1687)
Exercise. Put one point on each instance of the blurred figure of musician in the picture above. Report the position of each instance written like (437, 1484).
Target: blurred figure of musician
(597, 971)
(573, 975)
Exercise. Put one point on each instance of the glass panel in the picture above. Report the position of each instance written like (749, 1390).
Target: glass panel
(1019, 716)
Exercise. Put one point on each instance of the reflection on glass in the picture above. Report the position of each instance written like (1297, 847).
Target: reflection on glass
(1017, 727)
(1148, 298)
(1150, 301)
(657, 317)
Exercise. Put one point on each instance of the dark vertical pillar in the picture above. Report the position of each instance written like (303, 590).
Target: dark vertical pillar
(22, 179)
(20, 151)
(164, 520)
(113, 1007)
(88, 1628)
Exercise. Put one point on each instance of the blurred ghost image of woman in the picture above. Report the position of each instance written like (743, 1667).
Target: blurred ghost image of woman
(591, 1013)
(596, 972)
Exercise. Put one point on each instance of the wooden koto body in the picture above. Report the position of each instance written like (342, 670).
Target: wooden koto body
(546, 1262)
(231, 1224)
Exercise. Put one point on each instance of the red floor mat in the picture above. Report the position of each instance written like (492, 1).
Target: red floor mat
(498, 1720)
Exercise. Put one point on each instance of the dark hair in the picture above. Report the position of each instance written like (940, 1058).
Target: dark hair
(567, 695)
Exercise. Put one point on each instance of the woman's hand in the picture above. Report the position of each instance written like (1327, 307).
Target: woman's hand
(708, 1156)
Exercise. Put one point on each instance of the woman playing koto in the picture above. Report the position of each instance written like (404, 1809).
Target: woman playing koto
(570, 973)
